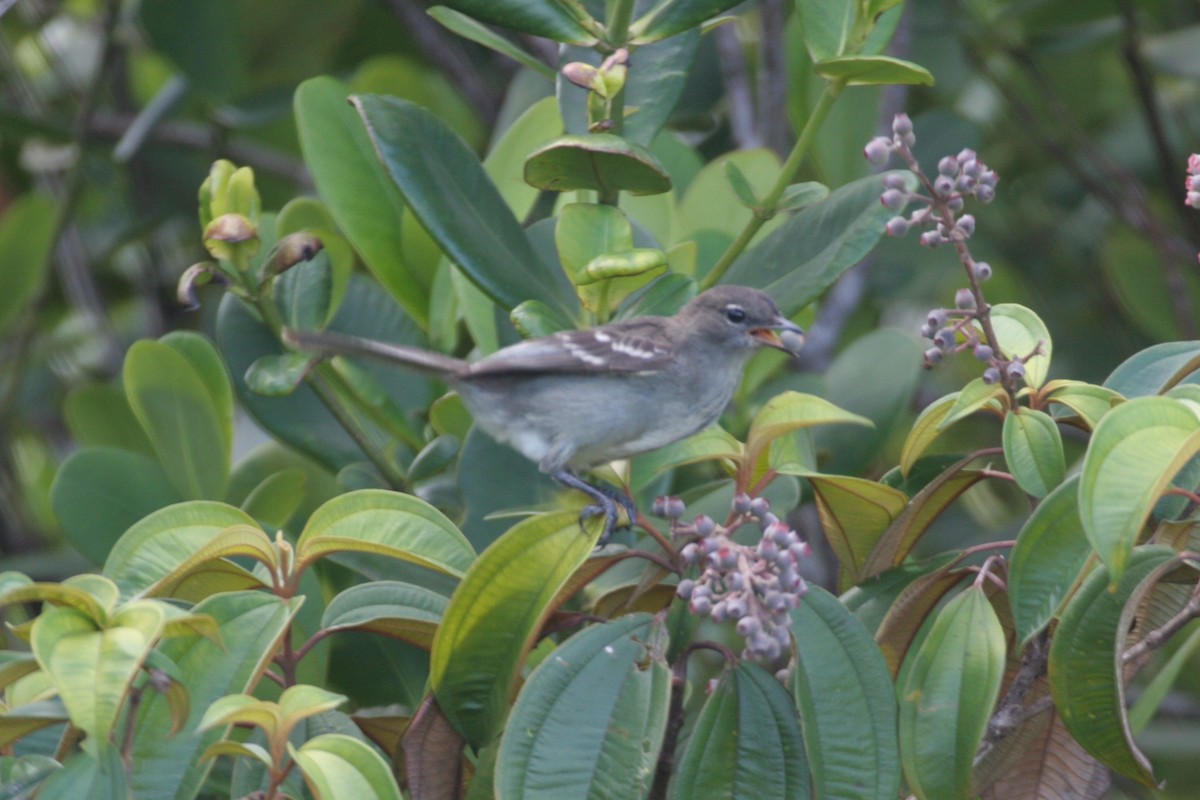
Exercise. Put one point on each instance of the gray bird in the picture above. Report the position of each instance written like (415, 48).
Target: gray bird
(577, 399)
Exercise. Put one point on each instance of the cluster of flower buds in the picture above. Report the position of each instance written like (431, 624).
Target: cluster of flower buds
(959, 177)
(755, 587)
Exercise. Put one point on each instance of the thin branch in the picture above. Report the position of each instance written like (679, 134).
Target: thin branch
(1012, 711)
(1159, 636)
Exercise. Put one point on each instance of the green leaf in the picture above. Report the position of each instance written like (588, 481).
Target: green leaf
(278, 375)
(946, 703)
(250, 625)
(505, 162)
(597, 161)
(495, 615)
(854, 514)
(741, 186)
(1133, 455)
(792, 411)
(590, 720)
(1086, 670)
(99, 492)
(90, 668)
(304, 293)
(1034, 451)
(873, 71)
(336, 765)
(94, 775)
(27, 231)
(711, 444)
(926, 428)
(554, 21)
(808, 252)
(901, 626)
(746, 743)
(976, 395)
(468, 28)
(1051, 550)
(448, 191)
(799, 195)
(365, 202)
(385, 523)
(595, 246)
(147, 558)
(174, 405)
(847, 703)
(205, 359)
(392, 608)
(827, 27)
(99, 416)
(1089, 402)
(1161, 684)
(677, 16)
(1155, 369)
(1020, 332)
(925, 507)
(277, 497)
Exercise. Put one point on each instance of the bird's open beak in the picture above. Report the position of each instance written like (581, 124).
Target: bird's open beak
(786, 336)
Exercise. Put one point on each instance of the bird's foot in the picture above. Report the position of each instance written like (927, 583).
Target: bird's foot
(607, 502)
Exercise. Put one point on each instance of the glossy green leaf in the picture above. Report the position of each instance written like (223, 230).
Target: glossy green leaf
(595, 246)
(173, 403)
(1034, 451)
(746, 743)
(809, 251)
(711, 444)
(277, 497)
(557, 21)
(448, 191)
(92, 668)
(534, 319)
(99, 492)
(362, 198)
(873, 70)
(597, 161)
(505, 161)
(847, 702)
(149, 554)
(793, 411)
(975, 396)
(1133, 455)
(854, 514)
(590, 720)
(386, 523)
(400, 610)
(278, 375)
(1051, 550)
(1086, 666)
(495, 615)
(304, 293)
(205, 359)
(901, 626)
(1155, 369)
(469, 28)
(799, 195)
(677, 16)
(94, 775)
(250, 625)
(710, 206)
(99, 416)
(926, 428)
(1020, 332)
(827, 27)
(27, 228)
(741, 186)
(1089, 402)
(24, 718)
(948, 698)
(925, 507)
(57, 594)
(336, 765)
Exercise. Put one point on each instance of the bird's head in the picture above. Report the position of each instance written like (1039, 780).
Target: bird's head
(744, 317)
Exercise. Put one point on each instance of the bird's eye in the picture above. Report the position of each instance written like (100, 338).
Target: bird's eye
(735, 314)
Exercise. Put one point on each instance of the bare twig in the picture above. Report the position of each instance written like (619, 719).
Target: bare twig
(1012, 711)
(1159, 636)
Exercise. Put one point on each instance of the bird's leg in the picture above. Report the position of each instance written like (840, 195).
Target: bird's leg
(606, 501)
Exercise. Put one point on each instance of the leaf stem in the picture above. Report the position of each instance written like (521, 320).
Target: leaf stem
(787, 174)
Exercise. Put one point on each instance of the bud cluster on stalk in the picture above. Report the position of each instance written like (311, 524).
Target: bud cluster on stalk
(753, 586)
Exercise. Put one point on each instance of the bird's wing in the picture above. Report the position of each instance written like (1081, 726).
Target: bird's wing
(624, 347)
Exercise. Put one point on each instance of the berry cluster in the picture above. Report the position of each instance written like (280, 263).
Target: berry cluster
(959, 177)
(753, 586)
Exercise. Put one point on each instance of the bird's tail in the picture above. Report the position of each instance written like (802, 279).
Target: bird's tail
(330, 343)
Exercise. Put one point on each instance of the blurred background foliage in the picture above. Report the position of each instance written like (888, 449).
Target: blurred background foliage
(112, 112)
